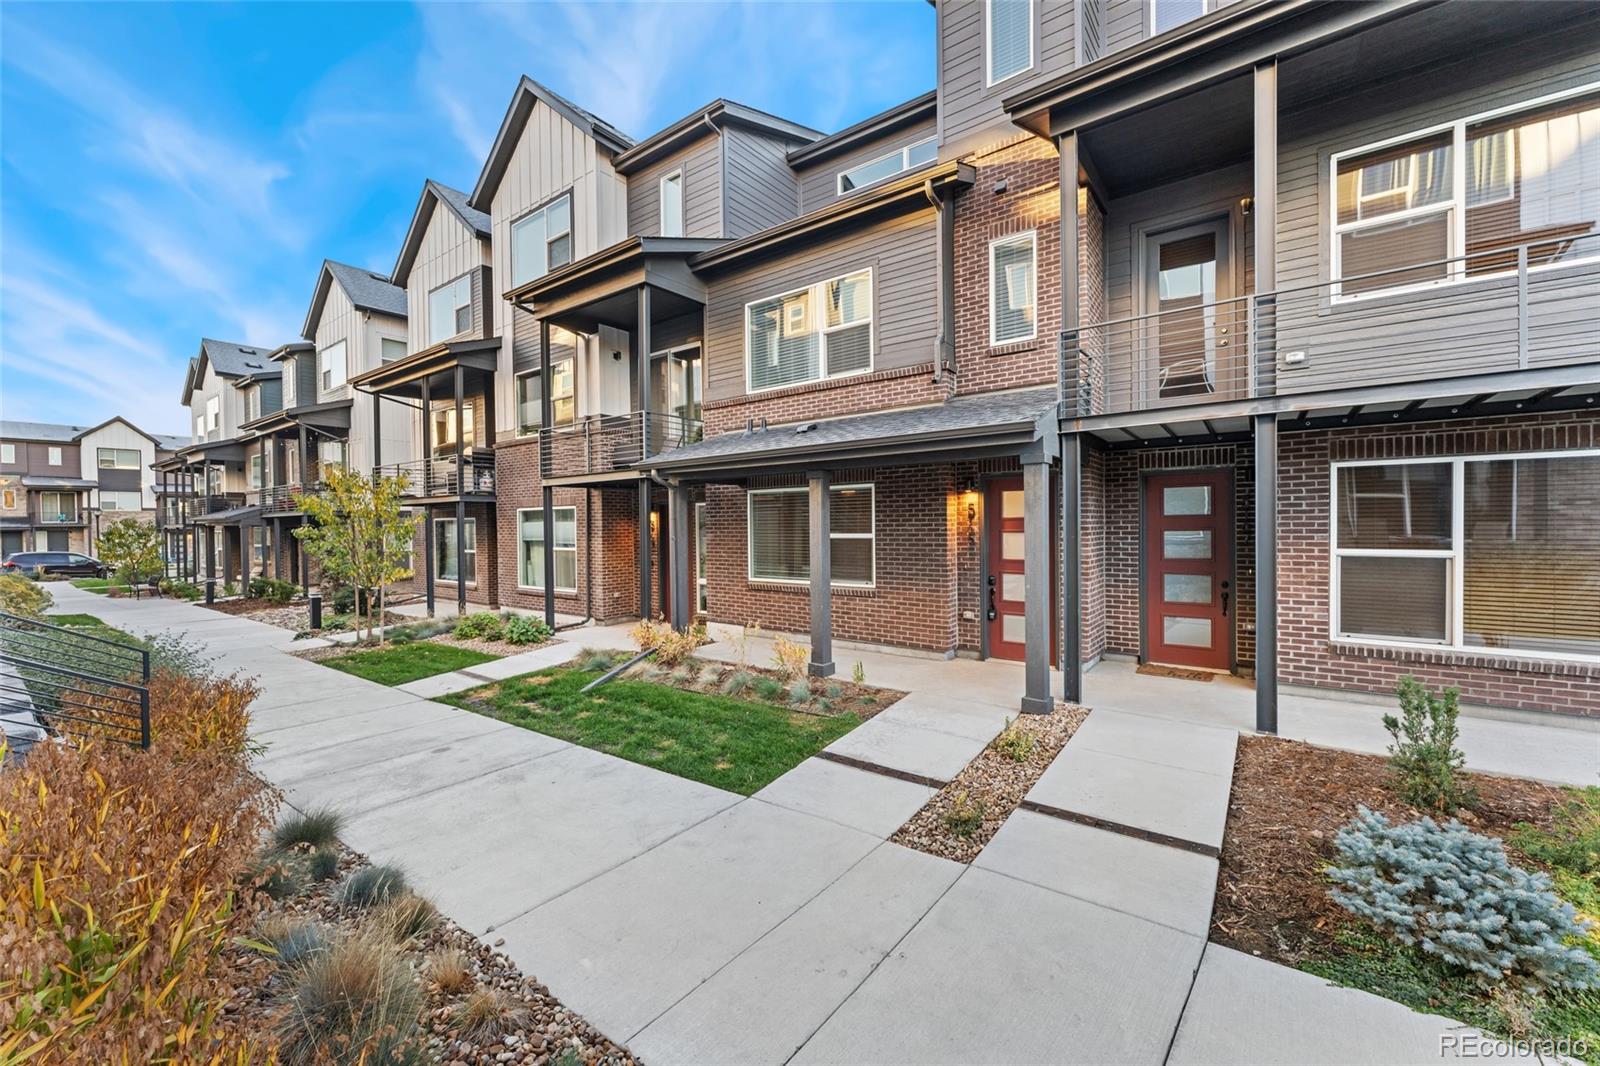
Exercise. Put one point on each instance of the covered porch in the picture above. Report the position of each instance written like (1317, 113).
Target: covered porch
(290, 450)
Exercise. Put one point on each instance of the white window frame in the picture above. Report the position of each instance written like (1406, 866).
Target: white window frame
(8, 453)
(325, 368)
(750, 535)
(52, 456)
(438, 542)
(516, 403)
(1032, 238)
(116, 495)
(1455, 207)
(905, 165)
(465, 283)
(816, 290)
(213, 413)
(702, 557)
(383, 342)
(1455, 577)
(988, 44)
(252, 403)
(661, 204)
(554, 511)
(542, 209)
(99, 458)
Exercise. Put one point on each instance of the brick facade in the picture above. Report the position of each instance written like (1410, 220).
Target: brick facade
(1309, 656)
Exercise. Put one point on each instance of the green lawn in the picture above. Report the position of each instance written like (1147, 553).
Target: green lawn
(716, 740)
(78, 620)
(96, 585)
(407, 662)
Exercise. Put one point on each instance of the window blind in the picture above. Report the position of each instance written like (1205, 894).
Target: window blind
(1010, 37)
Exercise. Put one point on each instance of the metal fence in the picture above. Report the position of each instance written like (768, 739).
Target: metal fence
(444, 476)
(60, 681)
(605, 444)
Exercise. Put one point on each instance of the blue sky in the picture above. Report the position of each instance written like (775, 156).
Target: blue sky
(175, 171)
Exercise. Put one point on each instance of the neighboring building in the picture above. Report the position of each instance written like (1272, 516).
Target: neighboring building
(1255, 337)
(60, 485)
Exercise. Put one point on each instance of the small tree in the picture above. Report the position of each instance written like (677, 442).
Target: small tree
(1426, 762)
(133, 549)
(359, 535)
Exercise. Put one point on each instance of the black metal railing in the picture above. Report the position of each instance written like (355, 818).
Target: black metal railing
(60, 681)
(283, 499)
(474, 475)
(211, 504)
(1508, 308)
(56, 516)
(605, 444)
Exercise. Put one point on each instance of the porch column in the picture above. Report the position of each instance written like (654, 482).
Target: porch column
(461, 497)
(1266, 464)
(211, 553)
(678, 537)
(227, 554)
(546, 406)
(641, 355)
(1071, 567)
(645, 599)
(246, 543)
(1067, 337)
(1036, 524)
(377, 434)
(820, 510)
(427, 512)
(1264, 341)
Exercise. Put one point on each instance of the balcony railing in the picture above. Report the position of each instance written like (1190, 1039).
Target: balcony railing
(444, 477)
(213, 503)
(606, 444)
(1528, 306)
(47, 516)
(280, 499)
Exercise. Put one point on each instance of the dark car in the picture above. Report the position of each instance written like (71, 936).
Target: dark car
(67, 564)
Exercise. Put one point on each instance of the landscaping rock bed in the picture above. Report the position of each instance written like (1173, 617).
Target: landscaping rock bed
(540, 1030)
(1289, 800)
(965, 814)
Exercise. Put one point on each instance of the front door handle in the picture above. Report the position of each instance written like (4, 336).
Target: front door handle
(1224, 599)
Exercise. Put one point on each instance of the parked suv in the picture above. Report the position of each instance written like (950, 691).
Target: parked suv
(67, 564)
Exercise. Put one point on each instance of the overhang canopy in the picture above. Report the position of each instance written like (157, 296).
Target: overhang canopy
(214, 451)
(985, 425)
(332, 418)
(242, 516)
(404, 377)
(46, 481)
(603, 288)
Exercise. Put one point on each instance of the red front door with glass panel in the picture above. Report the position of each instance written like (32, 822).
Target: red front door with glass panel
(1004, 602)
(1189, 597)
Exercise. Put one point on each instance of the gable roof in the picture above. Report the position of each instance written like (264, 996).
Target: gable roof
(718, 113)
(434, 193)
(917, 109)
(232, 360)
(527, 93)
(57, 433)
(367, 291)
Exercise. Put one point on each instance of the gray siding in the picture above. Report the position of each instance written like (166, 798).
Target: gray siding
(271, 395)
(969, 108)
(1123, 23)
(760, 189)
(701, 163)
(33, 457)
(901, 253)
(819, 184)
(305, 378)
(1454, 329)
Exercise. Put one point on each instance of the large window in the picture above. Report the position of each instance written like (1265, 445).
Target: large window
(672, 204)
(449, 310)
(444, 430)
(542, 240)
(330, 361)
(820, 332)
(392, 350)
(257, 471)
(444, 549)
(1456, 201)
(1471, 553)
(1009, 31)
(121, 500)
(1013, 284)
(530, 538)
(58, 506)
(780, 534)
(887, 166)
(112, 458)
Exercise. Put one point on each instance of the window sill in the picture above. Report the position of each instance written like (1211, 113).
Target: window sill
(1013, 347)
(540, 591)
(1485, 659)
(801, 588)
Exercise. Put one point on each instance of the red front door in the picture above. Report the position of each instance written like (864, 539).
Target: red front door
(1004, 603)
(1189, 597)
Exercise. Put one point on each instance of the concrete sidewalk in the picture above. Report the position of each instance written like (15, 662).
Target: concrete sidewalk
(695, 925)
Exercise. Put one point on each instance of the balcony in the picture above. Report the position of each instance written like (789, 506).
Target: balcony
(281, 499)
(438, 478)
(57, 517)
(603, 445)
(1530, 306)
(215, 503)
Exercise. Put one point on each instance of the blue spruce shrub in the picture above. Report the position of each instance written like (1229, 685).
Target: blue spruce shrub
(1454, 894)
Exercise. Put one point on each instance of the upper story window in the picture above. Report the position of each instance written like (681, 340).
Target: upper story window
(542, 240)
(444, 430)
(8, 453)
(449, 310)
(330, 365)
(200, 427)
(1008, 26)
(114, 458)
(887, 166)
(213, 413)
(257, 471)
(1169, 14)
(672, 204)
(391, 350)
(53, 456)
(824, 331)
(252, 403)
(121, 500)
(1013, 289)
(1456, 201)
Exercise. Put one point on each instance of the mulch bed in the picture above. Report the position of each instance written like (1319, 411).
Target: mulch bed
(1289, 799)
(551, 1031)
(996, 781)
(242, 605)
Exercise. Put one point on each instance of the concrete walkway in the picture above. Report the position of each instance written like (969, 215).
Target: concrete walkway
(695, 925)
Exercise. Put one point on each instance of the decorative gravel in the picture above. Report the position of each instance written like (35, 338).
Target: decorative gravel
(553, 1033)
(994, 784)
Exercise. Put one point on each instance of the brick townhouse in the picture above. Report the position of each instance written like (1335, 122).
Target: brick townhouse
(1257, 337)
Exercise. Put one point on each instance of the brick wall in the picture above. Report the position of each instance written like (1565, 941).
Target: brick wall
(1307, 654)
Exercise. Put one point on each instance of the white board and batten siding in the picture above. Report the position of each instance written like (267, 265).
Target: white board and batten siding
(119, 434)
(449, 249)
(551, 156)
(362, 333)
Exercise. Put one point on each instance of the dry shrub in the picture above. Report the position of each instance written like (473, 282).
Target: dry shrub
(450, 970)
(187, 713)
(355, 1002)
(648, 634)
(118, 870)
(674, 648)
(790, 658)
(490, 1014)
(407, 917)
